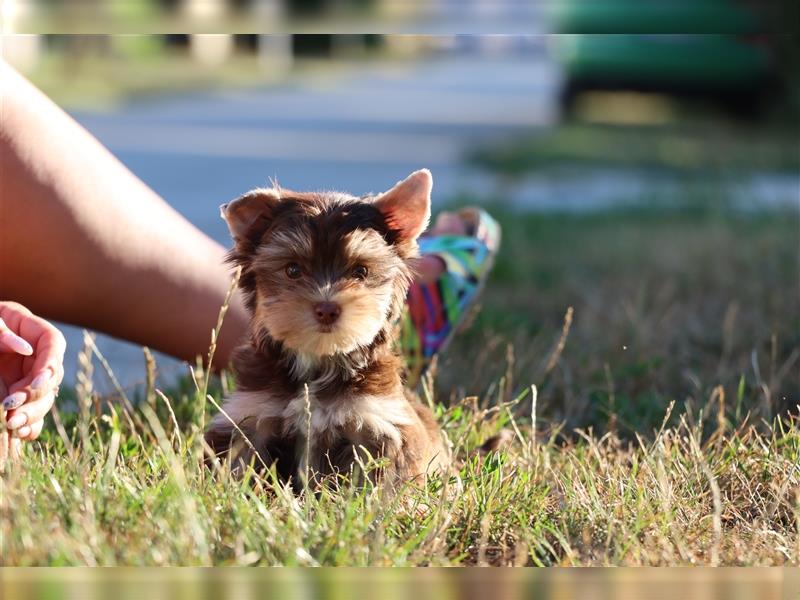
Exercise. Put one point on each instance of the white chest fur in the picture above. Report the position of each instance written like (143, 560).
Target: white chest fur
(377, 416)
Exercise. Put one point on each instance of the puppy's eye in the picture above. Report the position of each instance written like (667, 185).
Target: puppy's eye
(293, 271)
(360, 272)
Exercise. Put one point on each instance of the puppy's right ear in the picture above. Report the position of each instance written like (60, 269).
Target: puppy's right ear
(248, 216)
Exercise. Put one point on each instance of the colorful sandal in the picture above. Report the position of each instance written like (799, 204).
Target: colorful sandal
(435, 310)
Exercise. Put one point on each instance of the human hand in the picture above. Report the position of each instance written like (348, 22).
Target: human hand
(31, 369)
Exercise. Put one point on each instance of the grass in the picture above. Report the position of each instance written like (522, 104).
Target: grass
(667, 305)
(666, 425)
(688, 146)
(101, 82)
(125, 69)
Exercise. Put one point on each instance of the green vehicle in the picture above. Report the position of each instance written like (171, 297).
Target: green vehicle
(732, 65)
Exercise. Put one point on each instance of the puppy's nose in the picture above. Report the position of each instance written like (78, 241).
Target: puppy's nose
(327, 312)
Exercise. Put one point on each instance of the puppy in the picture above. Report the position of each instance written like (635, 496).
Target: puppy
(325, 277)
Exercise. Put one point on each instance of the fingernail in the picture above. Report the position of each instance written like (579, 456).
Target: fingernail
(17, 344)
(17, 421)
(23, 431)
(14, 400)
(40, 381)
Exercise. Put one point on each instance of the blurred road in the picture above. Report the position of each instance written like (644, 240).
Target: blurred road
(360, 131)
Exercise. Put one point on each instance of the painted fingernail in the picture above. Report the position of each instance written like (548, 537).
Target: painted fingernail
(16, 343)
(17, 421)
(14, 400)
(40, 381)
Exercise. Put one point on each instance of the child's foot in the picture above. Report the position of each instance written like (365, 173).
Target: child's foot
(457, 256)
(431, 267)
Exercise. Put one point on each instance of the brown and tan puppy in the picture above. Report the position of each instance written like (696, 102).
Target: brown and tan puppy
(325, 277)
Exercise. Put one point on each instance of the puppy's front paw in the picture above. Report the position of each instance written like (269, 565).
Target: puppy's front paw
(218, 437)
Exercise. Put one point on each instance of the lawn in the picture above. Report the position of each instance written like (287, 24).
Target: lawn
(692, 144)
(664, 348)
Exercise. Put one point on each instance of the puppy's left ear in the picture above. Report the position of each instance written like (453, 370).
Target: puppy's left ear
(407, 206)
(249, 215)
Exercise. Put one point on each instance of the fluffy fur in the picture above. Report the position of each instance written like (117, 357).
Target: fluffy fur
(298, 252)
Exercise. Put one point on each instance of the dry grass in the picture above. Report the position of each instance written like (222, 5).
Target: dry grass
(137, 497)
(665, 427)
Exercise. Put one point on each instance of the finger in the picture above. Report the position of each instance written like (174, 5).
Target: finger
(46, 370)
(28, 326)
(10, 341)
(48, 363)
(13, 315)
(48, 343)
(59, 376)
(34, 430)
(15, 399)
(30, 412)
(34, 387)
(11, 310)
(49, 349)
(24, 390)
